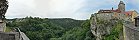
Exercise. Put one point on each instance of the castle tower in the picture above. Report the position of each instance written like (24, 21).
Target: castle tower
(121, 6)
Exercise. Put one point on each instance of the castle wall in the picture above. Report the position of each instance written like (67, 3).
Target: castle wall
(105, 16)
(131, 32)
(114, 15)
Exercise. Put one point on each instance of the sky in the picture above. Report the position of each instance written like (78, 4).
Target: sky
(75, 9)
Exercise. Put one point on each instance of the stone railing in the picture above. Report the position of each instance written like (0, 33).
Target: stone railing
(9, 36)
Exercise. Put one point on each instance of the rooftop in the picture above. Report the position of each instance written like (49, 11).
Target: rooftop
(128, 12)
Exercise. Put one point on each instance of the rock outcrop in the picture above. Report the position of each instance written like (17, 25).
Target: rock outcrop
(101, 28)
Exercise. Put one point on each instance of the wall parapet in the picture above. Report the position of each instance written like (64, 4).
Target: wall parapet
(9, 36)
(131, 32)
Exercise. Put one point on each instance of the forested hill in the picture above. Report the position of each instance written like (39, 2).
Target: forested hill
(66, 23)
(52, 29)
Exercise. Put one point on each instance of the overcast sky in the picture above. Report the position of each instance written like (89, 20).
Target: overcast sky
(76, 9)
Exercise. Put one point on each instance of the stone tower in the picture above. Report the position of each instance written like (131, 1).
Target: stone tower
(3, 9)
(121, 6)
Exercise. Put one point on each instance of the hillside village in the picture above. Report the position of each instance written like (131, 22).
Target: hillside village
(109, 18)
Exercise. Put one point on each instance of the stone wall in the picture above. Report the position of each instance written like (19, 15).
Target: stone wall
(105, 16)
(113, 15)
(9, 36)
(2, 27)
(131, 32)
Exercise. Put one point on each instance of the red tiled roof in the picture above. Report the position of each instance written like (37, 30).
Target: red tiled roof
(118, 11)
(109, 11)
(105, 11)
(128, 12)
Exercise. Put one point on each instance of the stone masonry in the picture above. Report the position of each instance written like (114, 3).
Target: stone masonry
(131, 30)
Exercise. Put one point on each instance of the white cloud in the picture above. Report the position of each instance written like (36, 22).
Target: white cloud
(60, 8)
(19, 8)
(44, 8)
(77, 9)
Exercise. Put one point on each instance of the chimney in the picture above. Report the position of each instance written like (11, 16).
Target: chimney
(137, 21)
(112, 8)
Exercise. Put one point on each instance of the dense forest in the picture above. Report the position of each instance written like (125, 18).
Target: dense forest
(52, 29)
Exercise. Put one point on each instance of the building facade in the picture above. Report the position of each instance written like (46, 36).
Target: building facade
(118, 13)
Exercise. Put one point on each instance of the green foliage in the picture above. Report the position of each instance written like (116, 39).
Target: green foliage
(79, 33)
(86, 24)
(53, 29)
(115, 32)
(8, 29)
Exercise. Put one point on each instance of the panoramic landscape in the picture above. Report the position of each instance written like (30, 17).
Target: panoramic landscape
(69, 20)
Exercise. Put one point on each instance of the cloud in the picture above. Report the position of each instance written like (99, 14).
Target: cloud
(45, 8)
(19, 8)
(59, 8)
(76, 9)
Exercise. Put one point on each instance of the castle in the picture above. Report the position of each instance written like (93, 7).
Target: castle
(130, 22)
(118, 13)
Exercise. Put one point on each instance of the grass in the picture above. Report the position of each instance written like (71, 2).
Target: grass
(8, 29)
